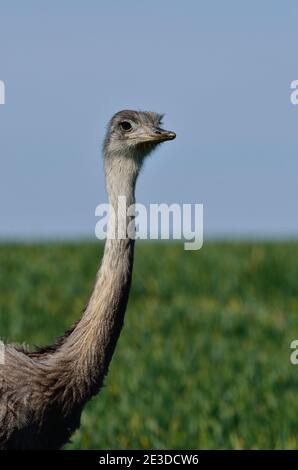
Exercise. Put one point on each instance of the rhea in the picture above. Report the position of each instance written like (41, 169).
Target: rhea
(42, 393)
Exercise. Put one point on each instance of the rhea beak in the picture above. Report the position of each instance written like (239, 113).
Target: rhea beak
(161, 135)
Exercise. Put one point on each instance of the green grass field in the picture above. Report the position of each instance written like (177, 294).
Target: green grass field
(203, 360)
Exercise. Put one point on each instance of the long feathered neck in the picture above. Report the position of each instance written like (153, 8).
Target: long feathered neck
(85, 355)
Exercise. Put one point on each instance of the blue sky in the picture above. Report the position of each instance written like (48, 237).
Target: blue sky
(221, 71)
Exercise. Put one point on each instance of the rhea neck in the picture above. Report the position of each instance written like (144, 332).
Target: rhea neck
(89, 348)
(121, 171)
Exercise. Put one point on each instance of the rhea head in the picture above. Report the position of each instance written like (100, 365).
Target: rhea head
(134, 134)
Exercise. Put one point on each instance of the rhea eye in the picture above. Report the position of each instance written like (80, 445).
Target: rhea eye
(125, 126)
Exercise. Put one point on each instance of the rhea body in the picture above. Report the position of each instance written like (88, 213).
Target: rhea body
(42, 393)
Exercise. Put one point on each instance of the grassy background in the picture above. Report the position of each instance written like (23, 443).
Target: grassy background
(203, 360)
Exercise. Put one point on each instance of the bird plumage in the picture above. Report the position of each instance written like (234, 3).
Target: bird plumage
(42, 393)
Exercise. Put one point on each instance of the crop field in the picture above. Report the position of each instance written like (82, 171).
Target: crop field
(203, 361)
